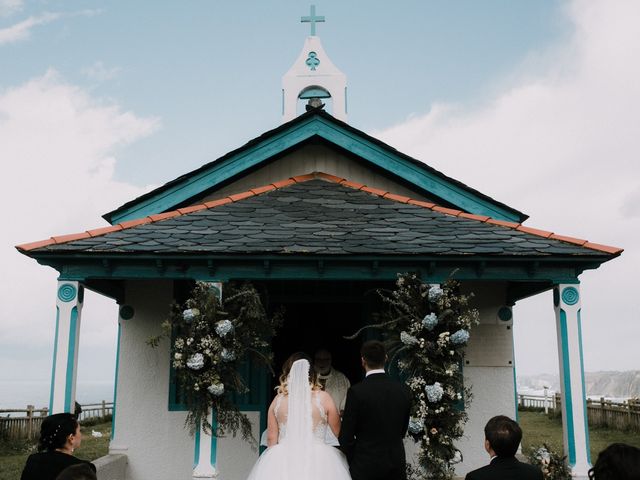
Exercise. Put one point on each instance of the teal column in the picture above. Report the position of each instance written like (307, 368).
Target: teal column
(566, 300)
(69, 300)
(206, 445)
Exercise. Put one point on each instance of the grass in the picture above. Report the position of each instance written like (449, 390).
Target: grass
(539, 429)
(13, 455)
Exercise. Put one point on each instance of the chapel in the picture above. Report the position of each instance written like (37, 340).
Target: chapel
(316, 213)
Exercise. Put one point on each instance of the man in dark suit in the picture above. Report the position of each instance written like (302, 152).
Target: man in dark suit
(502, 438)
(375, 421)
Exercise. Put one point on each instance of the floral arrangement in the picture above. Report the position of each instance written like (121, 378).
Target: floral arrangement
(426, 328)
(552, 464)
(211, 338)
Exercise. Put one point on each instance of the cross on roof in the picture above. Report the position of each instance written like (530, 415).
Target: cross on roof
(312, 19)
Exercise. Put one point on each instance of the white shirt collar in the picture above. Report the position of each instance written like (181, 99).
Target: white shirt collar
(377, 370)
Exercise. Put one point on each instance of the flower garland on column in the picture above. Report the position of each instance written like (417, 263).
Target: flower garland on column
(427, 328)
(211, 339)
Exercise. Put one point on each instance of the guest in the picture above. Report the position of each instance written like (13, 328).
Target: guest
(502, 438)
(617, 462)
(59, 437)
(334, 382)
(81, 471)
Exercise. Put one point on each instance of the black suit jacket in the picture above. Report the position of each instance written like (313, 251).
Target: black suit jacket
(375, 420)
(506, 468)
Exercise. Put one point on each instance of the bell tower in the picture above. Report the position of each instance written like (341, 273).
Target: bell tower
(313, 77)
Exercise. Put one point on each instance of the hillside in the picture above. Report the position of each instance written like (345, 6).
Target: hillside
(605, 384)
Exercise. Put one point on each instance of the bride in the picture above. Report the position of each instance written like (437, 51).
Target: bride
(297, 424)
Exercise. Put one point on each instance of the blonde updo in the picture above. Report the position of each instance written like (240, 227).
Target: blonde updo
(286, 368)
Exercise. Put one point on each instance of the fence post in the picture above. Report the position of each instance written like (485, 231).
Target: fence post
(104, 409)
(30, 409)
(546, 396)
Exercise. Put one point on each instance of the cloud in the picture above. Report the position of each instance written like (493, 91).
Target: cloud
(100, 73)
(59, 148)
(560, 141)
(9, 7)
(22, 30)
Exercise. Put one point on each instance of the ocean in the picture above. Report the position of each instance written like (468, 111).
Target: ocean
(20, 393)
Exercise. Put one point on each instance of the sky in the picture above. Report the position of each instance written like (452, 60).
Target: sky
(533, 103)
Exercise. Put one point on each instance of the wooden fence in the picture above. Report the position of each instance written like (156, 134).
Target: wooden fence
(25, 423)
(601, 413)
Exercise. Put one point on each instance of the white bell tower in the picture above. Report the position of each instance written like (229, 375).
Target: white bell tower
(314, 77)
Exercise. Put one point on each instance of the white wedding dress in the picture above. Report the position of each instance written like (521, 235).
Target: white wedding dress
(301, 452)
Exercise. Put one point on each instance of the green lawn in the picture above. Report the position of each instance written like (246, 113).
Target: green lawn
(538, 429)
(13, 456)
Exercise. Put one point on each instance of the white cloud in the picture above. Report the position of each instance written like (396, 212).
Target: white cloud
(561, 143)
(9, 7)
(58, 156)
(22, 30)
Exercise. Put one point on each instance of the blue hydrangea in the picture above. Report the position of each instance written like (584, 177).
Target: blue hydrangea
(460, 337)
(415, 425)
(227, 355)
(408, 339)
(434, 392)
(430, 321)
(435, 292)
(189, 314)
(195, 361)
(223, 327)
(216, 389)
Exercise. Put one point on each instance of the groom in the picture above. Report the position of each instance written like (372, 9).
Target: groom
(376, 416)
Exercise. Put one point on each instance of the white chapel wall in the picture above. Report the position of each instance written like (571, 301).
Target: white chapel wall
(487, 371)
(314, 158)
(154, 439)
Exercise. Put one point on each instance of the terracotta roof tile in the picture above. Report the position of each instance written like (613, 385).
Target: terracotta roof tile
(577, 241)
(70, 237)
(420, 203)
(303, 178)
(264, 189)
(217, 203)
(241, 196)
(136, 222)
(357, 186)
(34, 245)
(283, 183)
(191, 209)
(397, 198)
(96, 232)
(448, 211)
(503, 223)
(327, 176)
(375, 191)
(534, 231)
(471, 216)
(603, 248)
(163, 216)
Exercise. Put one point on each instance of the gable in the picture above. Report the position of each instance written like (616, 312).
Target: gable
(310, 128)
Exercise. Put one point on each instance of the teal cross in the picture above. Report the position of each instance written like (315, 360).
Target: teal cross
(312, 19)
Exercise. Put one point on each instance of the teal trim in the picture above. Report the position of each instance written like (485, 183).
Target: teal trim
(196, 455)
(55, 354)
(570, 295)
(566, 385)
(584, 392)
(312, 18)
(515, 381)
(115, 384)
(214, 440)
(66, 292)
(221, 171)
(314, 92)
(312, 61)
(71, 357)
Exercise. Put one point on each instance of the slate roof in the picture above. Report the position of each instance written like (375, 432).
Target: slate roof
(320, 214)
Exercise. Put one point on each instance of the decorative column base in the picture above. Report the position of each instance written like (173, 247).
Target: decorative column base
(205, 454)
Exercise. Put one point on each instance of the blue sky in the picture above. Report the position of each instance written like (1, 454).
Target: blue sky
(532, 103)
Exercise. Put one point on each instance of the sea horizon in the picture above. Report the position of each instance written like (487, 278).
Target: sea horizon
(17, 394)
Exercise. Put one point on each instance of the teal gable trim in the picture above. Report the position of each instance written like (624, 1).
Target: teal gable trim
(198, 182)
(115, 384)
(55, 354)
(566, 386)
(71, 361)
(196, 455)
(214, 440)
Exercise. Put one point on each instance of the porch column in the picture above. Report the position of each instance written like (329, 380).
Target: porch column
(206, 445)
(65, 347)
(566, 300)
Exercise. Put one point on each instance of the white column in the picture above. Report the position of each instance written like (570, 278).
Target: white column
(566, 300)
(206, 445)
(65, 348)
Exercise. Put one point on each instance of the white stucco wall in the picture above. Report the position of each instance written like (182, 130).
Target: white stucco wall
(154, 439)
(488, 372)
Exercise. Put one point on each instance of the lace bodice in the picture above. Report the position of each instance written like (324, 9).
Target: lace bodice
(318, 416)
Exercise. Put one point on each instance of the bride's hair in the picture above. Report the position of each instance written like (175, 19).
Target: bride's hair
(286, 368)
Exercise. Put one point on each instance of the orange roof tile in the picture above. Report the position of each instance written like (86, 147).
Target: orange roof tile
(534, 231)
(191, 209)
(448, 211)
(327, 176)
(577, 241)
(397, 198)
(502, 223)
(264, 189)
(70, 237)
(471, 216)
(375, 191)
(221, 201)
(354, 185)
(241, 196)
(96, 232)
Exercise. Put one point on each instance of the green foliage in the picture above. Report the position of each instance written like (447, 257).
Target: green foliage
(552, 464)
(426, 328)
(211, 340)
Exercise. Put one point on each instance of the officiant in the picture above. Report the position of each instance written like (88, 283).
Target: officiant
(334, 382)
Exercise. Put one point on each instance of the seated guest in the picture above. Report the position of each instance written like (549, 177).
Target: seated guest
(617, 462)
(502, 438)
(81, 471)
(59, 437)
